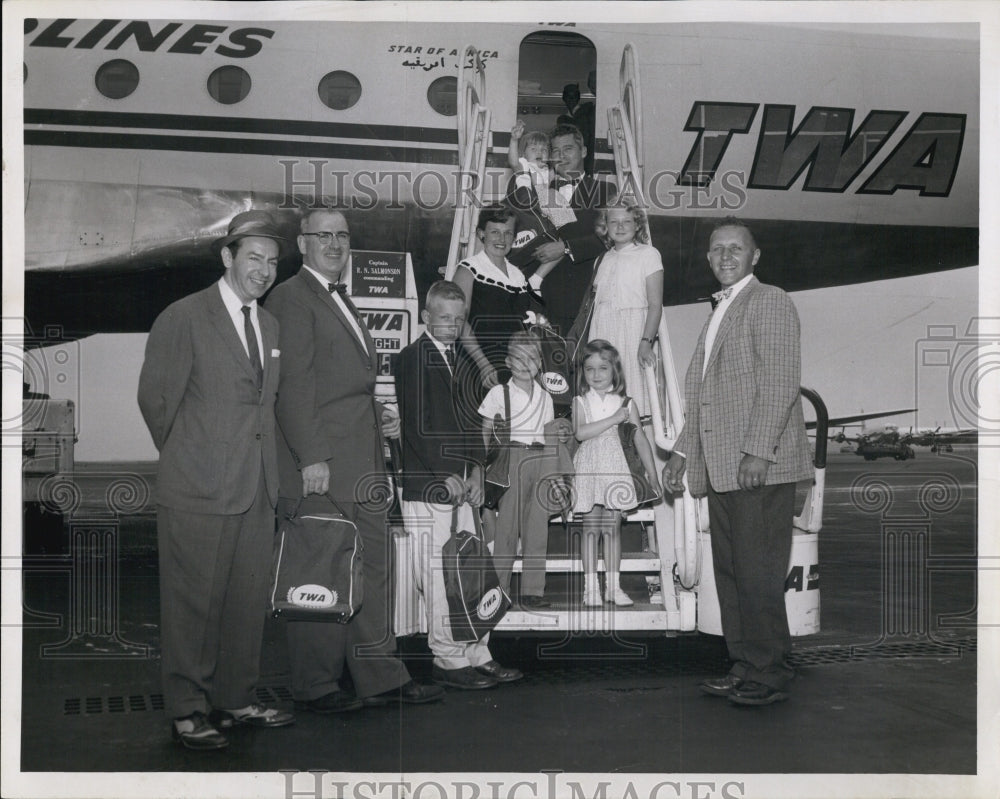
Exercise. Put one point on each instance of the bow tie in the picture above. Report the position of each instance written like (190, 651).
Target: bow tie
(340, 288)
(560, 182)
(719, 296)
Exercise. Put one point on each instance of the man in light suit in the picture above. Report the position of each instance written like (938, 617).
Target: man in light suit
(575, 245)
(331, 458)
(207, 392)
(744, 443)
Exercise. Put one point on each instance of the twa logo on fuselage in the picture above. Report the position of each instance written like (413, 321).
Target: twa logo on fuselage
(312, 596)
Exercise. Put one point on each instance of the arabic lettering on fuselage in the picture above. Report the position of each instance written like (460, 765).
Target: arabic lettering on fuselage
(430, 58)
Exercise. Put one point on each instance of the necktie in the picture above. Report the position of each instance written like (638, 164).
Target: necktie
(341, 289)
(719, 296)
(252, 348)
(449, 356)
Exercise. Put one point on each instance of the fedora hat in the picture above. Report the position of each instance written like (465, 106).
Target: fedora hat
(251, 223)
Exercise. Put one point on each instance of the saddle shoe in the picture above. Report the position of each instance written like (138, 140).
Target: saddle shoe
(195, 732)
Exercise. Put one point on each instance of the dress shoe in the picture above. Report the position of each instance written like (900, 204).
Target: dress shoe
(195, 732)
(534, 602)
(333, 702)
(466, 678)
(410, 693)
(253, 716)
(755, 693)
(500, 673)
(720, 686)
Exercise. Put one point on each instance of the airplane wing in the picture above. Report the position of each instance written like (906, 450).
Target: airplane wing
(840, 420)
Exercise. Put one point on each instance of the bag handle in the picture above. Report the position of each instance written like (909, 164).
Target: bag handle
(329, 496)
(503, 440)
(477, 523)
(506, 409)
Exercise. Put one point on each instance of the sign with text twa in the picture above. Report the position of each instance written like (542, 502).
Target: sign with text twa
(385, 292)
(379, 274)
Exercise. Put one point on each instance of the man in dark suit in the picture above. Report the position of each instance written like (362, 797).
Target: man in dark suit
(441, 468)
(575, 245)
(744, 444)
(331, 457)
(207, 392)
(582, 116)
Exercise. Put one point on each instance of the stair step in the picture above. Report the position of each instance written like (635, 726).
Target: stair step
(631, 562)
(574, 616)
(640, 515)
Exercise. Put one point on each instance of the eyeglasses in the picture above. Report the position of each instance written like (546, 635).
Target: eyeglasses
(326, 237)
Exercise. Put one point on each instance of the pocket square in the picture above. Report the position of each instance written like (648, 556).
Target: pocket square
(275, 353)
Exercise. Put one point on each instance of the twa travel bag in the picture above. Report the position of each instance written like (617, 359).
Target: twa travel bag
(476, 602)
(317, 568)
(627, 431)
(496, 476)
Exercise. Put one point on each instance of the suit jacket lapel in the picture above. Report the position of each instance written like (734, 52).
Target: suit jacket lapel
(341, 317)
(436, 359)
(733, 313)
(227, 330)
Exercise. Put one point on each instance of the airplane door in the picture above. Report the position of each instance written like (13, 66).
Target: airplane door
(557, 82)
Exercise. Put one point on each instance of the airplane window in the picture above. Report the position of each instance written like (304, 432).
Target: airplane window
(339, 90)
(442, 94)
(229, 84)
(117, 79)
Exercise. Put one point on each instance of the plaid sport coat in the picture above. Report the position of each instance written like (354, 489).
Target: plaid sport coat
(747, 401)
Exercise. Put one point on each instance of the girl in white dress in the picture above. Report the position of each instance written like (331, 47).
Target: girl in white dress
(628, 299)
(603, 486)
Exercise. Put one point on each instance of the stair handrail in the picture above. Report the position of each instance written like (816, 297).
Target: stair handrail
(625, 136)
(811, 518)
(473, 122)
(630, 97)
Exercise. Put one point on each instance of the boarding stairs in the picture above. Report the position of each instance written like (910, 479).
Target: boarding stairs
(668, 543)
(665, 600)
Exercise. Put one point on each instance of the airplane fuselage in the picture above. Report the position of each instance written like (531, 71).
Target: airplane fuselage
(855, 154)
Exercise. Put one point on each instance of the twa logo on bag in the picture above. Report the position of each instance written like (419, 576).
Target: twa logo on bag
(312, 596)
(491, 604)
(555, 383)
(317, 569)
